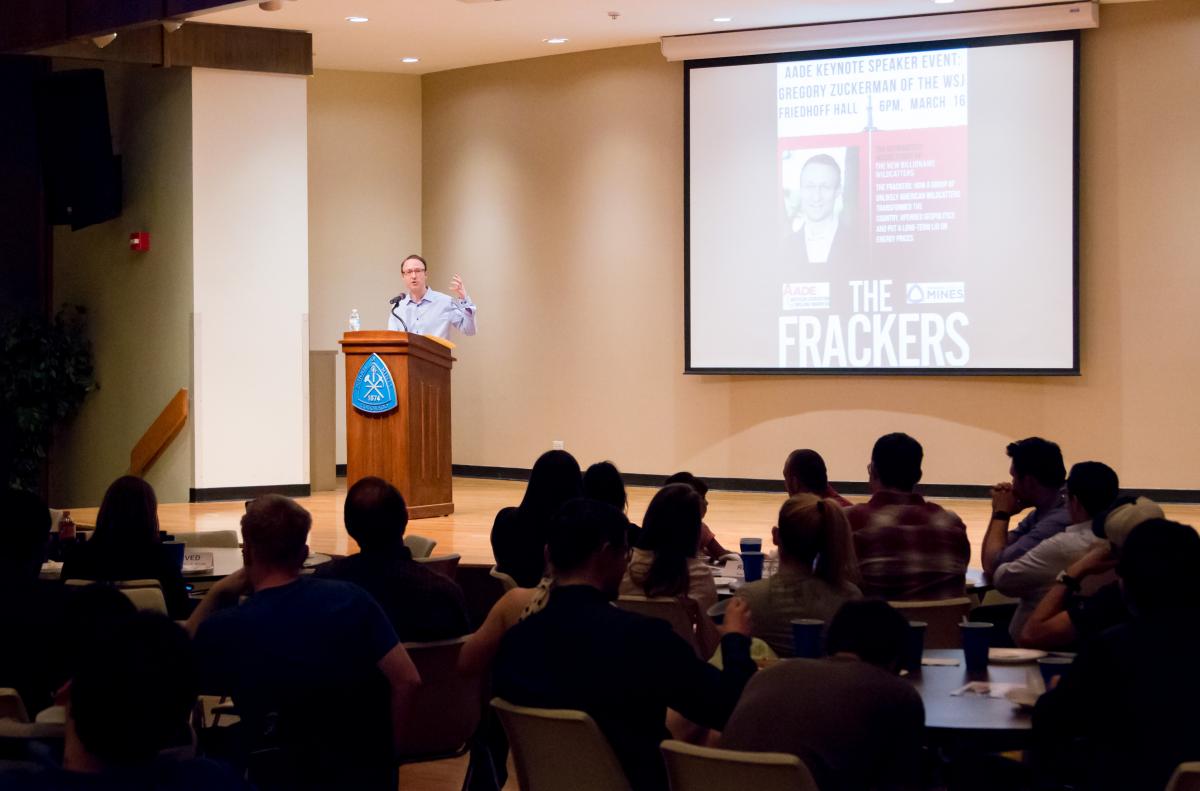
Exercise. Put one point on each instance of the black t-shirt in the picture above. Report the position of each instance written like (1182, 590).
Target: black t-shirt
(621, 668)
(1104, 609)
(1125, 710)
(422, 605)
(300, 661)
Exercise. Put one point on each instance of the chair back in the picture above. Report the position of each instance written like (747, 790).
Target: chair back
(446, 708)
(446, 565)
(675, 610)
(505, 579)
(1186, 777)
(202, 539)
(693, 768)
(555, 749)
(11, 706)
(146, 599)
(419, 546)
(943, 617)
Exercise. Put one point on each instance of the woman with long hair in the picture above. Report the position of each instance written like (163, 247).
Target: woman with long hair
(519, 534)
(817, 573)
(125, 544)
(665, 563)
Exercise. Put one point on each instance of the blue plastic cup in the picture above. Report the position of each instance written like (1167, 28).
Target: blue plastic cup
(976, 640)
(915, 647)
(806, 637)
(174, 550)
(1052, 667)
(751, 545)
(752, 565)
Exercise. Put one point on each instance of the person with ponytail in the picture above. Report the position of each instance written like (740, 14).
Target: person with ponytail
(817, 570)
(666, 563)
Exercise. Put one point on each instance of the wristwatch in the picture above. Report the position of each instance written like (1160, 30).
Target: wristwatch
(1069, 582)
(1001, 515)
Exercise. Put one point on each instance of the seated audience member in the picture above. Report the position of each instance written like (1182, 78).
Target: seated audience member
(125, 545)
(1123, 715)
(1037, 482)
(30, 613)
(708, 541)
(602, 481)
(621, 668)
(849, 717)
(1065, 618)
(1091, 489)
(128, 701)
(313, 665)
(804, 472)
(666, 563)
(519, 534)
(908, 548)
(421, 604)
(816, 570)
(44, 624)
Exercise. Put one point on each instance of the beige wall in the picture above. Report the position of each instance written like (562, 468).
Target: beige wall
(249, 279)
(139, 304)
(364, 185)
(555, 186)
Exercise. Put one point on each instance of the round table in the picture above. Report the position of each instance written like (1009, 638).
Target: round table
(973, 721)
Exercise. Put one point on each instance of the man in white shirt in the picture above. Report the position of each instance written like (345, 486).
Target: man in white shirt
(422, 310)
(1091, 489)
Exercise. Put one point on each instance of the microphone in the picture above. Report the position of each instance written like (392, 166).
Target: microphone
(395, 303)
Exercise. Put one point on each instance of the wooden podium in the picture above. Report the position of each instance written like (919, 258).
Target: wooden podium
(409, 445)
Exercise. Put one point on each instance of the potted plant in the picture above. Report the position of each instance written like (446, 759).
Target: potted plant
(45, 373)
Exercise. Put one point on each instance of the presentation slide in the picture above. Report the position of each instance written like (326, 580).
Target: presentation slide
(905, 210)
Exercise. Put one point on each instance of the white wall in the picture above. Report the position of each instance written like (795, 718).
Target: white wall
(250, 279)
(364, 179)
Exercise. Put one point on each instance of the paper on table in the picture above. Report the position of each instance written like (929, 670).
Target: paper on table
(732, 568)
(939, 661)
(990, 689)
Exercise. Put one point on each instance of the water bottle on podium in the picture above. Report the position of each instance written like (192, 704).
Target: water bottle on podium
(355, 322)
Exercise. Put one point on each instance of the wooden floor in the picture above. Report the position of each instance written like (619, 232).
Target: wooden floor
(731, 515)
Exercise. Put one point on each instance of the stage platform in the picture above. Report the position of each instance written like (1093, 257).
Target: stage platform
(731, 515)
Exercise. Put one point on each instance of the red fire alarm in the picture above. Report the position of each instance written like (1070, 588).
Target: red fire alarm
(139, 241)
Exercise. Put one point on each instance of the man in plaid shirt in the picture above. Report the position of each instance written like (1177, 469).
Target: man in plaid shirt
(908, 548)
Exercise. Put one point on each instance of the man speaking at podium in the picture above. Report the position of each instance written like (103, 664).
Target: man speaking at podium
(427, 312)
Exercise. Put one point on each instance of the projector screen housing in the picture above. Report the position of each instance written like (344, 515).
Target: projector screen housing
(901, 209)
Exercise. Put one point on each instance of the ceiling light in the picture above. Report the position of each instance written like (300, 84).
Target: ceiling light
(357, 19)
(943, 2)
(722, 19)
(558, 40)
(410, 60)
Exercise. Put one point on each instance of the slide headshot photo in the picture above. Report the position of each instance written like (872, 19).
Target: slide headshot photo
(820, 199)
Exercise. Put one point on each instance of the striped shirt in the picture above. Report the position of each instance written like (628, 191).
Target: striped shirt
(909, 549)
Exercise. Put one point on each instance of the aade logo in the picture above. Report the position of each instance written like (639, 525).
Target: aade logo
(374, 390)
(805, 296)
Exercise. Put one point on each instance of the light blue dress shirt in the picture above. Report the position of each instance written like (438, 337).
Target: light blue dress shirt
(434, 314)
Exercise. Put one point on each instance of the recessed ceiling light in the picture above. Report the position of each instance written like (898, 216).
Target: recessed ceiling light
(558, 40)
(943, 2)
(410, 60)
(722, 19)
(357, 19)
